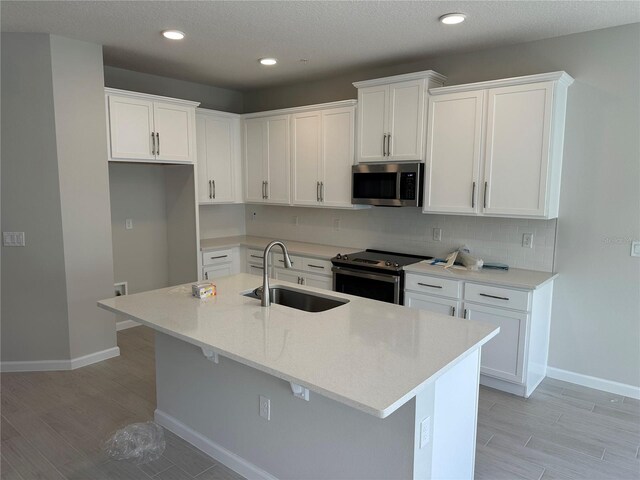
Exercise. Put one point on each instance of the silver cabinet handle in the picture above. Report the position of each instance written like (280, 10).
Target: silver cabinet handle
(453, 311)
(263, 195)
(206, 275)
(209, 188)
(213, 182)
(292, 262)
(388, 144)
(219, 256)
(485, 194)
(255, 256)
(153, 143)
(322, 191)
(315, 266)
(465, 313)
(473, 196)
(430, 286)
(158, 141)
(384, 145)
(494, 296)
(318, 191)
(266, 189)
(256, 266)
(301, 280)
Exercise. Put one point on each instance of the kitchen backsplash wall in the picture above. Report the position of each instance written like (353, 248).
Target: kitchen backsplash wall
(409, 230)
(222, 220)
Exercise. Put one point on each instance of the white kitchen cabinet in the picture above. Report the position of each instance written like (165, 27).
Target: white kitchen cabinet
(322, 157)
(454, 142)
(313, 272)
(502, 357)
(318, 281)
(516, 359)
(219, 165)
(220, 262)
(391, 116)
(287, 275)
(217, 271)
(267, 159)
(148, 128)
(495, 148)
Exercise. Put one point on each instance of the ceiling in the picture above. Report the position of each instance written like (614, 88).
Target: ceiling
(225, 39)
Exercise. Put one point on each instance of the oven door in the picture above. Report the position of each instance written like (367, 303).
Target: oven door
(377, 286)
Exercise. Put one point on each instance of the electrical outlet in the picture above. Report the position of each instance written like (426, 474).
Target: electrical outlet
(527, 240)
(437, 234)
(13, 239)
(635, 248)
(425, 432)
(254, 215)
(265, 407)
(128, 224)
(336, 224)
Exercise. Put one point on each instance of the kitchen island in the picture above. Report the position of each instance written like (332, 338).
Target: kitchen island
(392, 391)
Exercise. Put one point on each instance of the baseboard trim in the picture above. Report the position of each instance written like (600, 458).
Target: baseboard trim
(217, 452)
(594, 382)
(56, 365)
(124, 324)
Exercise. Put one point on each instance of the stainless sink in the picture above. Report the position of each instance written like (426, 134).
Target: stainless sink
(298, 299)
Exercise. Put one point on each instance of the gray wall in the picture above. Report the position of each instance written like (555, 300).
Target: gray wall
(54, 186)
(595, 329)
(210, 97)
(140, 255)
(222, 220)
(34, 291)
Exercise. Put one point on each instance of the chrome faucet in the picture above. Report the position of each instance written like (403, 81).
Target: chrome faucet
(266, 293)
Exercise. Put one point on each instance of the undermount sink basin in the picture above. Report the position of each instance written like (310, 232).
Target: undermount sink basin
(298, 299)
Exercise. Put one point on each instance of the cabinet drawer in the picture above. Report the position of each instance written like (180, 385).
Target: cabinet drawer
(497, 296)
(430, 303)
(296, 262)
(254, 256)
(216, 257)
(432, 285)
(315, 265)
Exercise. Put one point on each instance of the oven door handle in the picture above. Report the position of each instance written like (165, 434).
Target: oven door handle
(372, 276)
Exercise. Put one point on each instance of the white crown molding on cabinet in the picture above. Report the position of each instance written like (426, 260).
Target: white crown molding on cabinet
(561, 77)
(56, 365)
(402, 78)
(217, 113)
(302, 109)
(146, 96)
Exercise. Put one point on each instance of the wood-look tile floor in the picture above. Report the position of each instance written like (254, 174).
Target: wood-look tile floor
(54, 424)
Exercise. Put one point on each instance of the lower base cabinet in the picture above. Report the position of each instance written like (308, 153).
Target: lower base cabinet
(515, 360)
(303, 278)
(220, 263)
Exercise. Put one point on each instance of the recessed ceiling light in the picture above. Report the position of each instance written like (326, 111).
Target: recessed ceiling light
(268, 61)
(173, 34)
(453, 18)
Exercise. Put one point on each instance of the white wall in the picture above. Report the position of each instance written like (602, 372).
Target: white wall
(409, 230)
(595, 326)
(222, 220)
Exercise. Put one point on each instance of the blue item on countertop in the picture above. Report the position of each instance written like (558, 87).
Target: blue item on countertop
(496, 266)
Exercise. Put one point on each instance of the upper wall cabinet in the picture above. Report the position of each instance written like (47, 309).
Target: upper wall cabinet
(322, 154)
(267, 159)
(219, 165)
(495, 148)
(391, 116)
(148, 128)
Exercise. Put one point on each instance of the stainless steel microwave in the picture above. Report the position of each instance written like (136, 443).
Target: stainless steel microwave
(387, 184)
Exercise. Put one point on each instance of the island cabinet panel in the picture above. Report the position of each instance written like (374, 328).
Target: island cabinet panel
(516, 359)
(149, 128)
(495, 148)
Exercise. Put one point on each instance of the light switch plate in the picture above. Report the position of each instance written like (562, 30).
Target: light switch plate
(13, 239)
(425, 432)
(635, 248)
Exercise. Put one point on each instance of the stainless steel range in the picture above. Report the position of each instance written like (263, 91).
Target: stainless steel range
(372, 274)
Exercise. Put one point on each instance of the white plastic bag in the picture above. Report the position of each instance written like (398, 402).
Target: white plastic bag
(140, 442)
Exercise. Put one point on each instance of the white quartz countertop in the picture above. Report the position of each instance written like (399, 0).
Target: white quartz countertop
(369, 355)
(514, 277)
(315, 250)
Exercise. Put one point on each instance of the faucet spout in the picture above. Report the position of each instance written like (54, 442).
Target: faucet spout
(266, 293)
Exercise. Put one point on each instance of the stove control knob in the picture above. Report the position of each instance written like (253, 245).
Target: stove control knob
(344, 257)
(397, 265)
(387, 263)
(339, 256)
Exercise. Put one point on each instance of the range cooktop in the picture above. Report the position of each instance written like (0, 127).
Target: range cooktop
(377, 259)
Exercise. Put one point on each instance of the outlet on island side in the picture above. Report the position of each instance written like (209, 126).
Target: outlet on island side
(265, 407)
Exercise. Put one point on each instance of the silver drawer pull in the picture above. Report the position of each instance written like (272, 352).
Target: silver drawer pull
(256, 256)
(282, 261)
(255, 266)
(315, 266)
(430, 286)
(494, 296)
(219, 256)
